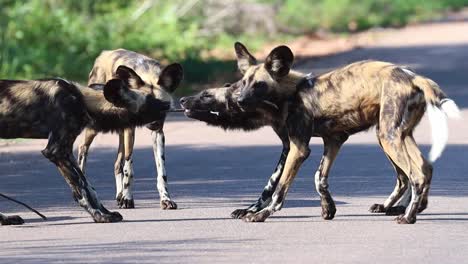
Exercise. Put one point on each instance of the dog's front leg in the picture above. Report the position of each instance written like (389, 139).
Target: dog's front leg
(126, 200)
(266, 196)
(159, 157)
(297, 154)
(299, 130)
(59, 151)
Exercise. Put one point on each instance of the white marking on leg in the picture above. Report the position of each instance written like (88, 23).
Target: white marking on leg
(317, 181)
(127, 181)
(118, 184)
(158, 149)
(390, 201)
(260, 204)
(82, 161)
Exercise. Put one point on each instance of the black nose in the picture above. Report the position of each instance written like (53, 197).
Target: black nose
(183, 100)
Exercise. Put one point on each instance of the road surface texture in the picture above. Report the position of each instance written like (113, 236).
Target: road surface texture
(212, 172)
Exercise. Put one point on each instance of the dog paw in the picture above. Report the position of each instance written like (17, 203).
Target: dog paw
(168, 205)
(12, 220)
(377, 208)
(328, 211)
(125, 203)
(239, 213)
(395, 210)
(402, 220)
(257, 217)
(111, 217)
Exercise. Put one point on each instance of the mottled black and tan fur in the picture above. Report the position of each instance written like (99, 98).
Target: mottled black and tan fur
(162, 82)
(59, 110)
(332, 106)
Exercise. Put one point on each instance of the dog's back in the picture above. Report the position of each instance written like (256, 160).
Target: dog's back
(350, 98)
(109, 60)
(31, 109)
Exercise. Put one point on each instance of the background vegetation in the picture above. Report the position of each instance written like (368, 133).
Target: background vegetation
(40, 38)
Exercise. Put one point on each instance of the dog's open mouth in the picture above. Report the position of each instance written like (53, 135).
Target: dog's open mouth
(188, 111)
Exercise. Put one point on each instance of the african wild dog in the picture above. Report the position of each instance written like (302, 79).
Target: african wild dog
(59, 110)
(332, 106)
(163, 83)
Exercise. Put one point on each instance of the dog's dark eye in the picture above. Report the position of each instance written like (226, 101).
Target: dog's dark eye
(226, 85)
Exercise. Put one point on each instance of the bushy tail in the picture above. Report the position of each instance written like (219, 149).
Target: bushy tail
(439, 107)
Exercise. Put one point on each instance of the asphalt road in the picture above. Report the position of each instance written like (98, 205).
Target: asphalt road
(212, 172)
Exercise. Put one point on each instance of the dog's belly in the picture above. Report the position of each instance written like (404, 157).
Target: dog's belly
(22, 129)
(349, 122)
(28, 121)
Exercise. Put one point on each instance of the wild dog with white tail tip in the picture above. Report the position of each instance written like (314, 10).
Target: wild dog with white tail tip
(58, 110)
(332, 106)
(163, 82)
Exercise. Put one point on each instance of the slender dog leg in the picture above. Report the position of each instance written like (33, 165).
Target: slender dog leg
(395, 149)
(59, 151)
(265, 197)
(89, 136)
(11, 220)
(400, 193)
(126, 200)
(118, 169)
(300, 131)
(331, 148)
(297, 154)
(423, 167)
(159, 158)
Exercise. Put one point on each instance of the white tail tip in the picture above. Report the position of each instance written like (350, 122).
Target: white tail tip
(438, 121)
(450, 109)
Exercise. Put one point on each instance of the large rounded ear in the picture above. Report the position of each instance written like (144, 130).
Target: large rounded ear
(116, 91)
(171, 76)
(244, 58)
(129, 76)
(279, 61)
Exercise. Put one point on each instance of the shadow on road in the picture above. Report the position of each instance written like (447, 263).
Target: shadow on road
(212, 177)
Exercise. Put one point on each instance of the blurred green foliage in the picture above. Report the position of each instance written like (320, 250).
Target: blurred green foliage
(345, 15)
(61, 38)
(40, 38)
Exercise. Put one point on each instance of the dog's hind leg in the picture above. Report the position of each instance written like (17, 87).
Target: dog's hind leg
(159, 143)
(11, 220)
(420, 164)
(395, 125)
(265, 198)
(59, 151)
(331, 148)
(89, 135)
(400, 193)
(394, 147)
